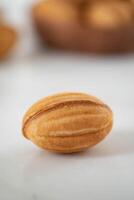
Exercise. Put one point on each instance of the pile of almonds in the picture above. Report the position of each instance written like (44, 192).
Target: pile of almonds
(97, 26)
(91, 25)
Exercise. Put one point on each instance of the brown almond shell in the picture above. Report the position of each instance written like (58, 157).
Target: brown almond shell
(8, 37)
(67, 122)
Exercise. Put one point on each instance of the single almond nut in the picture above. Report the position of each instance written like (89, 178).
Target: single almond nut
(57, 11)
(109, 14)
(7, 39)
(67, 122)
(57, 22)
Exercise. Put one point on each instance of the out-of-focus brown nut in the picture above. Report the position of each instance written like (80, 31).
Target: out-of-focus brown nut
(67, 122)
(7, 39)
(57, 11)
(56, 21)
(132, 1)
(105, 14)
(98, 26)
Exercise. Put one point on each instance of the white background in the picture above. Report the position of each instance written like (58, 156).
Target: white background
(104, 172)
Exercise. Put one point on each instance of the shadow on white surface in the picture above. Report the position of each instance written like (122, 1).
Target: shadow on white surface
(118, 143)
(28, 172)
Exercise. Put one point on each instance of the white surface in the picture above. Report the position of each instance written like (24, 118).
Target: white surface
(26, 172)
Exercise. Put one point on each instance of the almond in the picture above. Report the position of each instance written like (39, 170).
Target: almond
(57, 11)
(7, 39)
(67, 122)
(109, 14)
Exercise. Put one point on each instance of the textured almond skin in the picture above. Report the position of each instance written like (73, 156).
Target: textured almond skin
(8, 38)
(67, 122)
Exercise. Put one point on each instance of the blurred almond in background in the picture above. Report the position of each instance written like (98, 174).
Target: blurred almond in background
(8, 37)
(100, 26)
